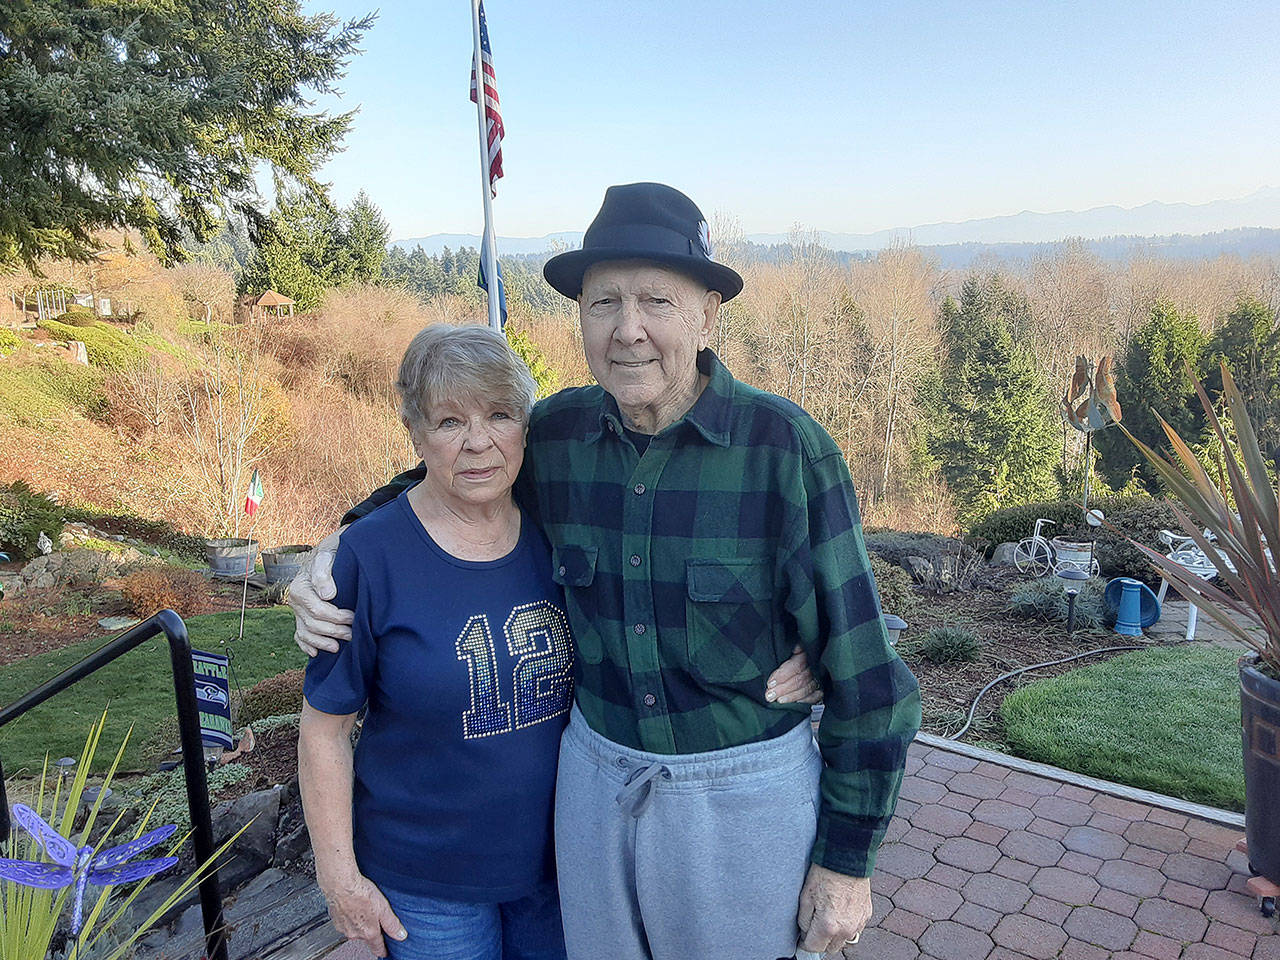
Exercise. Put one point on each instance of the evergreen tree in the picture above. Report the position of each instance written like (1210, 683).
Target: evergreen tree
(304, 252)
(155, 116)
(1248, 339)
(995, 431)
(367, 234)
(1152, 378)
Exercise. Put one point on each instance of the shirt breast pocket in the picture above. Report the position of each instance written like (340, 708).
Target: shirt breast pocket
(574, 568)
(729, 619)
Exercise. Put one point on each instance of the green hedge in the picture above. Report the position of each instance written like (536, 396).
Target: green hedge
(9, 342)
(24, 515)
(1140, 517)
(41, 393)
(78, 316)
(107, 347)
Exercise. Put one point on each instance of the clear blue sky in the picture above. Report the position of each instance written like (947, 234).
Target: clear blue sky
(843, 116)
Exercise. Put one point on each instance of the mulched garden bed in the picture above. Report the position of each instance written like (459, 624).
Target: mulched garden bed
(1009, 642)
(48, 620)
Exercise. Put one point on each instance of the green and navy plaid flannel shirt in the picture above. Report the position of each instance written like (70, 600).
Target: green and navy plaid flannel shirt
(690, 573)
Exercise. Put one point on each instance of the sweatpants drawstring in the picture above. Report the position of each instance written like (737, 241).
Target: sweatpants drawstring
(635, 795)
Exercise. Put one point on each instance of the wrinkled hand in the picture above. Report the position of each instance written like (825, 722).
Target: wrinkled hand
(793, 682)
(834, 909)
(360, 912)
(318, 624)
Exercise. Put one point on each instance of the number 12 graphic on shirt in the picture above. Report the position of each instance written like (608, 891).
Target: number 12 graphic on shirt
(538, 635)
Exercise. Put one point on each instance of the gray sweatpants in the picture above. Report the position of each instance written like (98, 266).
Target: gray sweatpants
(701, 855)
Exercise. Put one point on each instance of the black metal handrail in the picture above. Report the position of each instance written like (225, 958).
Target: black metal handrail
(184, 688)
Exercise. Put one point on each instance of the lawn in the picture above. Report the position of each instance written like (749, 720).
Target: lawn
(138, 686)
(1165, 719)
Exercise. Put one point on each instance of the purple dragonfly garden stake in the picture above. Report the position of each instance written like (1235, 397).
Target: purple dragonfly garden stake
(80, 866)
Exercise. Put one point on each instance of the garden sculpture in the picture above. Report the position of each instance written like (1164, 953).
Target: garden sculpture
(1090, 404)
(81, 866)
(1038, 556)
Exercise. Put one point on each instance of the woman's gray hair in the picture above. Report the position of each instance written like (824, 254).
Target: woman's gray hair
(444, 362)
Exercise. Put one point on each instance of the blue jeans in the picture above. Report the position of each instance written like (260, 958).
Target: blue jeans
(526, 929)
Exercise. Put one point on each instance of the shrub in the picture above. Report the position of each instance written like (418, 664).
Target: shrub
(897, 593)
(1012, 524)
(9, 342)
(159, 533)
(896, 545)
(1046, 599)
(950, 645)
(272, 697)
(107, 347)
(547, 379)
(157, 588)
(78, 316)
(24, 515)
(1142, 520)
(40, 392)
(168, 790)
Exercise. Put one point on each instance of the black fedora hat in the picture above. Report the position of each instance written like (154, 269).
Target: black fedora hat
(645, 221)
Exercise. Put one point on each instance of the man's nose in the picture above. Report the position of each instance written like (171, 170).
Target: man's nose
(630, 326)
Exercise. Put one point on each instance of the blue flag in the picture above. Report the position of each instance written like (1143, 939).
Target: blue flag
(213, 697)
(483, 283)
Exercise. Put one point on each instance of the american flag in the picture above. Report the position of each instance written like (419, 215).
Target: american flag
(483, 282)
(492, 109)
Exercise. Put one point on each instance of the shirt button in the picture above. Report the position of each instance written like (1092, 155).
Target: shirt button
(650, 700)
(635, 560)
(639, 489)
(560, 571)
(639, 628)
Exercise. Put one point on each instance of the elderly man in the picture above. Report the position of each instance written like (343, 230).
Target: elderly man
(700, 529)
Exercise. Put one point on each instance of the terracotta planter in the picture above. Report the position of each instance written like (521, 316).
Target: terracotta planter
(1260, 722)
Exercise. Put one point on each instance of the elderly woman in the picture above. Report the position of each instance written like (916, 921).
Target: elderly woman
(438, 834)
(436, 840)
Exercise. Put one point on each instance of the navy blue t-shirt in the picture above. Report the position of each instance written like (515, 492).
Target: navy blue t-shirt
(467, 670)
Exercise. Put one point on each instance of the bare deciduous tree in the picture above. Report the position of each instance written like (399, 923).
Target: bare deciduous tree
(227, 424)
(209, 286)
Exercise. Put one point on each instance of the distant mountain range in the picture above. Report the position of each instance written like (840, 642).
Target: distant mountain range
(1150, 220)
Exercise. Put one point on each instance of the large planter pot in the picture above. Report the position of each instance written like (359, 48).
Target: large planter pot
(1070, 552)
(232, 557)
(284, 563)
(1260, 723)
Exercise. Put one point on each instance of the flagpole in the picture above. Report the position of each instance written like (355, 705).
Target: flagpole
(249, 564)
(488, 251)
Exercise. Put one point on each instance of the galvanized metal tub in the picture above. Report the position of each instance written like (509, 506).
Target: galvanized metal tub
(284, 563)
(231, 557)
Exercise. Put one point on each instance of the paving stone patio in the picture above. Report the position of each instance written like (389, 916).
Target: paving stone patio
(984, 861)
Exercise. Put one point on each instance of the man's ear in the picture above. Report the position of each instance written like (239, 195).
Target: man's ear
(711, 301)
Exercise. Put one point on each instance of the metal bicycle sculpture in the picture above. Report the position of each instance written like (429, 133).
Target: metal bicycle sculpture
(1037, 555)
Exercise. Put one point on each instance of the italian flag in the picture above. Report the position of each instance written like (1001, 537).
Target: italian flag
(253, 498)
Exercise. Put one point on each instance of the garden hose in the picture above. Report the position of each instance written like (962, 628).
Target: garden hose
(1035, 666)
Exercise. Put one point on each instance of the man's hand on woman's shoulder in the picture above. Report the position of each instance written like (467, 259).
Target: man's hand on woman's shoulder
(319, 625)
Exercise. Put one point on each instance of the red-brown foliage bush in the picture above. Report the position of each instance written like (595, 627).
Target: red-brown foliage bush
(157, 588)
